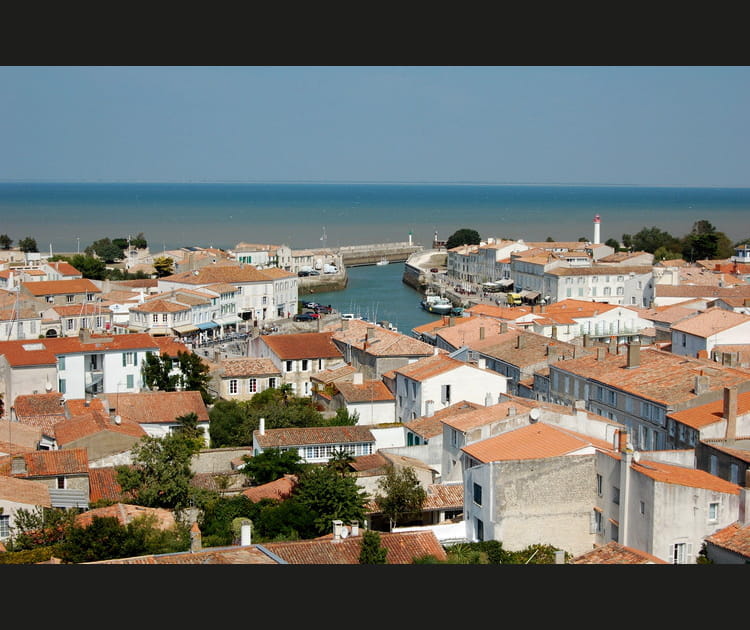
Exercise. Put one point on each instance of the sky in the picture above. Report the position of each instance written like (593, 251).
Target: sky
(642, 125)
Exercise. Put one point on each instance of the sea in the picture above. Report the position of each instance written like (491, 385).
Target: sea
(66, 217)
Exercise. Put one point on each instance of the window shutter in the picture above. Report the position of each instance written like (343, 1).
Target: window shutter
(123, 360)
(689, 558)
(671, 554)
(592, 522)
(443, 393)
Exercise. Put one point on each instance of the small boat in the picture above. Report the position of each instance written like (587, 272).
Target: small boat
(437, 304)
(382, 261)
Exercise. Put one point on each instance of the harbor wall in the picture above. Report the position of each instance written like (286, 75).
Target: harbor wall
(359, 255)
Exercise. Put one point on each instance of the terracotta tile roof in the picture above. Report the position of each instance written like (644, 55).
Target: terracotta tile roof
(681, 476)
(19, 434)
(507, 313)
(710, 413)
(126, 513)
(533, 441)
(73, 461)
(248, 366)
(700, 291)
(469, 330)
(661, 376)
(312, 345)
(431, 426)
(711, 322)
(103, 484)
(368, 391)
(80, 406)
(486, 415)
(429, 367)
(158, 407)
(21, 313)
(61, 287)
(24, 491)
(51, 403)
(170, 345)
(735, 538)
(145, 283)
(333, 375)
(532, 349)
(64, 268)
(669, 314)
(45, 351)
(231, 273)
(159, 306)
(444, 496)
(78, 310)
(376, 340)
(403, 548)
(739, 449)
(92, 423)
(222, 287)
(278, 490)
(363, 463)
(615, 553)
(251, 554)
(293, 436)
(601, 270)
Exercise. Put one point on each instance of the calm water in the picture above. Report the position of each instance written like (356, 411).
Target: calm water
(68, 216)
(378, 294)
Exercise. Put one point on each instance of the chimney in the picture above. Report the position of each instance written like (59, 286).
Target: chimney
(18, 465)
(357, 378)
(195, 538)
(246, 533)
(520, 340)
(429, 407)
(634, 355)
(613, 345)
(744, 516)
(481, 363)
(481, 332)
(601, 352)
(337, 528)
(262, 426)
(586, 340)
(344, 324)
(503, 327)
(552, 351)
(355, 528)
(488, 399)
(701, 384)
(511, 411)
(730, 412)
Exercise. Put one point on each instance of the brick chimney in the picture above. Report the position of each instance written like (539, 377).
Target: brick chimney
(195, 538)
(601, 352)
(481, 332)
(744, 516)
(730, 412)
(520, 340)
(701, 384)
(634, 355)
(357, 378)
(503, 327)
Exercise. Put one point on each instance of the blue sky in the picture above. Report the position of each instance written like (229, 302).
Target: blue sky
(642, 125)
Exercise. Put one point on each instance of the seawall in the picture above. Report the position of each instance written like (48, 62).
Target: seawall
(358, 255)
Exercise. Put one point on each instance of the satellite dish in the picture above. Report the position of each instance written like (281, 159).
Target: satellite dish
(118, 419)
(534, 414)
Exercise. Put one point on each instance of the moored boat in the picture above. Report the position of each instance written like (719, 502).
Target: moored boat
(437, 304)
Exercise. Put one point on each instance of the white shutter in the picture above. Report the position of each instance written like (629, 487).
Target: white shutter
(689, 558)
(671, 554)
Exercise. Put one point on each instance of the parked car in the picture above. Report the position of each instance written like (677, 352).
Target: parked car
(313, 273)
(323, 309)
(434, 270)
(306, 304)
(302, 274)
(307, 316)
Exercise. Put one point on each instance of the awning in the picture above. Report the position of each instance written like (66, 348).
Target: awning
(530, 295)
(185, 328)
(227, 321)
(207, 325)
(159, 331)
(505, 282)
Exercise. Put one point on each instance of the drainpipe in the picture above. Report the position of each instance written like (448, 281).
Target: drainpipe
(626, 453)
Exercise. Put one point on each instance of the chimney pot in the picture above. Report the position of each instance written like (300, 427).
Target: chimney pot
(730, 412)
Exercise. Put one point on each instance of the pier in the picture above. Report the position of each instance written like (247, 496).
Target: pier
(359, 255)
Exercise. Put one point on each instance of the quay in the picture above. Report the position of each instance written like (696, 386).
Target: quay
(360, 255)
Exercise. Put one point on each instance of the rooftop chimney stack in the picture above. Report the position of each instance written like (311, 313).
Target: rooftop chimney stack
(262, 426)
(701, 384)
(195, 538)
(246, 533)
(730, 412)
(634, 355)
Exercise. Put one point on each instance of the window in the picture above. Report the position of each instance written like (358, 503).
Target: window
(599, 480)
(69, 324)
(155, 318)
(713, 512)
(70, 299)
(305, 364)
(734, 473)
(128, 358)
(164, 317)
(61, 385)
(684, 339)
(61, 483)
(477, 494)
(288, 365)
(615, 495)
(4, 526)
(679, 553)
(129, 381)
(597, 524)
(713, 464)
(60, 363)
(252, 385)
(446, 394)
(232, 385)
(85, 322)
(615, 531)
(454, 437)
(643, 508)
(480, 530)
(272, 381)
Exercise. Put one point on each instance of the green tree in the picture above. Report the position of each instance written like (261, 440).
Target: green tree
(627, 242)
(705, 243)
(666, 254)
(340, 460)
(228, 420)
(105, 249)
(371, 551)
(89, 266)
(272, 464)
(160, 475)
(139, 241)
(549, 239)
(158, 372)
(194, 374)
(651, 239)
(28, 244)
(328, 496)
(5, 241)
(40, 527)
(188, 428)
(611, 242)
(164, 266)
(401, 495)
(218, 514)
(464, 236)
(344, 418)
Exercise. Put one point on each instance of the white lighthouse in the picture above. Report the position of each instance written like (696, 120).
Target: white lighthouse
(597, 225)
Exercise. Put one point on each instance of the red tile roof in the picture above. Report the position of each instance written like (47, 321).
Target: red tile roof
(711, 322)
(103, 485)
(432, 426)
(248, 366)
(126, 513)
(710, 413)
(615, 553)
(403, 548)
(24, 491)
(92, 423)
(278, 490)
(293, 436)
(368, 391)
(60, 287)
(54, 463)
(735, 538)
(312, 345)
(158, 407)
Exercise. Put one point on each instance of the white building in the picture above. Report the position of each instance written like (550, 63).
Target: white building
(714, 327)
